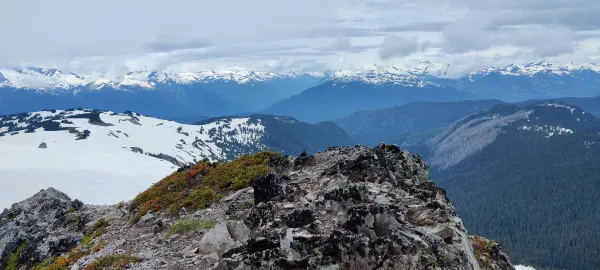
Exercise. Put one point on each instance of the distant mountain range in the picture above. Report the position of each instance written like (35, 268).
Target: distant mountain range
(81, 150)
(336, 94)
(533, 81)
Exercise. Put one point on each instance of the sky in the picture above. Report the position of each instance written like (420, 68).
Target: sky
(294, 35)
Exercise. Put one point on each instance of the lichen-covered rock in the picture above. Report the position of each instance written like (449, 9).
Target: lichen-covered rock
(343, 208)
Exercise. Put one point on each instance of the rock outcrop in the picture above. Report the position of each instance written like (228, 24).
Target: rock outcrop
(343, 208)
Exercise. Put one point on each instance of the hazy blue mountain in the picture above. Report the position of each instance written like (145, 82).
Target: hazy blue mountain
(257, 95)
(394, 125)
(335, 99)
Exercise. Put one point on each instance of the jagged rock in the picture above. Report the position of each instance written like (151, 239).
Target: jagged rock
(343, 208)
(47, 223)
(299, 218)
(267, 188)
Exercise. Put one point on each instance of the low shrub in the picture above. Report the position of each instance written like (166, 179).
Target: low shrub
(201, 185)
(115, 261)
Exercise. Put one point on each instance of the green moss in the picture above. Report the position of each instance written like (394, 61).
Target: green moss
(15, 257)
(71, 210)
(190, 225)
(114, 261)
(13, 215)
(200, 186)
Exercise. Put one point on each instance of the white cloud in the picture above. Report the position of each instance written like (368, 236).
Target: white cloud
(277, 35)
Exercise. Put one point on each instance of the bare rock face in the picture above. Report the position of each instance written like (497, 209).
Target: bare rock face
(46, 224)
(343, 208)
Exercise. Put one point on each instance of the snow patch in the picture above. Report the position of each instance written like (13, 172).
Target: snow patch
(523, 267)
(548, 130)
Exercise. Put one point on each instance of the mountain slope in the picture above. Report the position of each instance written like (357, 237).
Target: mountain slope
(335, 99)
(392, 125)
(526, 176)
(87, 150)
(343, 208)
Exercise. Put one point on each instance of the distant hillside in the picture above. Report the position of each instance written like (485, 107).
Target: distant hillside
(393, 125)
(526, 176)
(290, 136)
(588, 104)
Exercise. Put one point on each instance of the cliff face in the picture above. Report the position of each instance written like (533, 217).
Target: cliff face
(344, 208)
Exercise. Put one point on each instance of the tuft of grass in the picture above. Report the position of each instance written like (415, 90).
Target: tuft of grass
(115, 261)
(190, 225)
(71, 210)
(201, 185)
(100, 245)
(94, 231)
(15, 257)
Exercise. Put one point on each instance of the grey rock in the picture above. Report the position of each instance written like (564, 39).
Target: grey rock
(238, 231)
(217, 240)
(45, 221)
(43, 145)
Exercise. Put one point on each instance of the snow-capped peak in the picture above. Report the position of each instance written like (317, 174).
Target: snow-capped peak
(401, 73)
(533, 69)
(375, 74)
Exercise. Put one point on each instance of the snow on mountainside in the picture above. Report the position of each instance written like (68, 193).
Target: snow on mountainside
(404, 73)
(523, 267)
(89, 152)
(42, 78)
(380, 75)
(533, 69)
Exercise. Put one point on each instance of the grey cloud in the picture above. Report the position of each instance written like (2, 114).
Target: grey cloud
(165, 44)
(416, 27)
(262, 30)
(344, 44)
(396, 46)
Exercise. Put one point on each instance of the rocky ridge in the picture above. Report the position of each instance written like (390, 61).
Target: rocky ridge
(343, 208)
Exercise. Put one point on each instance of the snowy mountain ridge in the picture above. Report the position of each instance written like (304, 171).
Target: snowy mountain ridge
(412, 73)
(83, 151)
(95, 153)
(181, 144)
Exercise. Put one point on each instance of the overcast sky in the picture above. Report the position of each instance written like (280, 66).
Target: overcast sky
(303, 35)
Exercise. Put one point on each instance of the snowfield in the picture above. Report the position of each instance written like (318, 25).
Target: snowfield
(122, 156)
